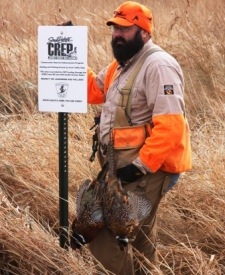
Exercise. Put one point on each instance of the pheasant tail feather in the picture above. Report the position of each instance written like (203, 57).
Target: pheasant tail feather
(141, 206)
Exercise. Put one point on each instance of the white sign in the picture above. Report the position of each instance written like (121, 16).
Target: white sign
(62, 69)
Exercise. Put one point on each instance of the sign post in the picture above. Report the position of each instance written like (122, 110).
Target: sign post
(62, 88)
(63, 179)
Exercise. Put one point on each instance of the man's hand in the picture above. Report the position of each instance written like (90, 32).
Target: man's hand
(129, 173)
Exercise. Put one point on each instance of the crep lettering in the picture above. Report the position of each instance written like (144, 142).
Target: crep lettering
(59, 49)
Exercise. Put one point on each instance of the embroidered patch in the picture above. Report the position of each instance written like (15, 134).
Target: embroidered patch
(168, 90)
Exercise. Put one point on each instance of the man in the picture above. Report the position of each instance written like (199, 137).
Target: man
(155, 103)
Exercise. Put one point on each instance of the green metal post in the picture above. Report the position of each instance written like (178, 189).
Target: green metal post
(63, 179)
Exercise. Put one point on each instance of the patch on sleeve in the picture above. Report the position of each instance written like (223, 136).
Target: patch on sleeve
(168, 90)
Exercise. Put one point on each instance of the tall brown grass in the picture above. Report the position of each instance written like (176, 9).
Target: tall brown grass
(191, 217)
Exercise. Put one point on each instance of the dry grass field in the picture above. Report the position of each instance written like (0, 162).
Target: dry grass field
(191, 217)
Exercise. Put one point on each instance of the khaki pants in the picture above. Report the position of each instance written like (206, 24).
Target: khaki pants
(105, 247)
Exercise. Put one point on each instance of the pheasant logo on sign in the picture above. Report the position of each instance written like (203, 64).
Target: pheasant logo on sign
(62, 89)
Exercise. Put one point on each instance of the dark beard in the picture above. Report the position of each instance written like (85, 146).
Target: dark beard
(127, 49)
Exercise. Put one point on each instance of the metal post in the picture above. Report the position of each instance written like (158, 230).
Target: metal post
(63, 174)
(63, 178)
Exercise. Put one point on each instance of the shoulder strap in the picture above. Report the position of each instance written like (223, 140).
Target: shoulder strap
(125, 101)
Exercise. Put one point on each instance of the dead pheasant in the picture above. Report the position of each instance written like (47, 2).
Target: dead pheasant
(89, 214)
(104, 202)
(123, 211)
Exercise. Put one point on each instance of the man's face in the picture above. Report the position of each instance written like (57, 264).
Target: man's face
(126, 42)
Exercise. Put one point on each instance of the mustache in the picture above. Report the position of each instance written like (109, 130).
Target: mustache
(118, 39)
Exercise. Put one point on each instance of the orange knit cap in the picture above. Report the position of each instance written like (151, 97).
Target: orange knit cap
(132, 13)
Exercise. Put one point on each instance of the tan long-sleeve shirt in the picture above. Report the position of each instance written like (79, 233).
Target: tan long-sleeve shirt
(158, 99)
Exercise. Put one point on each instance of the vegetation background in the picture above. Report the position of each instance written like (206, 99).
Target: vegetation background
(191, 217)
